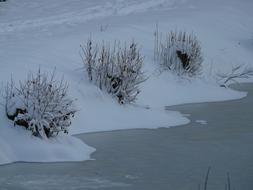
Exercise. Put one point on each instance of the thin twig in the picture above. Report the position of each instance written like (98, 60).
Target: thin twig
(206, 179)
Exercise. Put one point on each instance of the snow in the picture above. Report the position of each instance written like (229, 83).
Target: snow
(17, 144)
(201, 122)
(48, 34)
(179, 91)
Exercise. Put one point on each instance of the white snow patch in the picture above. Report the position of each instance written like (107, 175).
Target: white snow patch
(166, 89)
(202, 122)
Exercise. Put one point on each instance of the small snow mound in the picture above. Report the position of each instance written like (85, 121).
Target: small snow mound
(202, 122)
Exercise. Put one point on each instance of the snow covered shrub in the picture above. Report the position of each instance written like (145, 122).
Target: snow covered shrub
(40, 104)
(179, 53)
(118, 71)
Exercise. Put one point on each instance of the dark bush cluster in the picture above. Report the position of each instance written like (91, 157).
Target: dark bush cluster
(40, 104)
(116, 70)
(180, 53)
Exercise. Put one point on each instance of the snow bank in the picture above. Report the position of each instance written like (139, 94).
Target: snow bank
(98, 112)
(17, 144)
(179, 91)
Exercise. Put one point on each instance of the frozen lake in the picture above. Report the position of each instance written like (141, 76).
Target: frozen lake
(220, 136)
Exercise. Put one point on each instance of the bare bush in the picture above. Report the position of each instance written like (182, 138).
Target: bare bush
(236, 73)
(40, 104)
(179, 52)
(118, 71)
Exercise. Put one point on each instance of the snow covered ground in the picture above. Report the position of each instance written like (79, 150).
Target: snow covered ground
(48, 34)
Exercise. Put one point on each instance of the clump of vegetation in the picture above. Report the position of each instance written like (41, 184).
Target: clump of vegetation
(179, 53)
(116, 70)
(40, 104)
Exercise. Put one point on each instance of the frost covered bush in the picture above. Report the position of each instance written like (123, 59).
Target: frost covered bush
(40, 104)
(180, 53)
(118, 71)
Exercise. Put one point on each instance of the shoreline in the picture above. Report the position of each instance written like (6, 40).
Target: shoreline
(163, 158)
(235, 86)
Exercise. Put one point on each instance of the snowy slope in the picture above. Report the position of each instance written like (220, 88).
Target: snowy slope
(47, 34)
